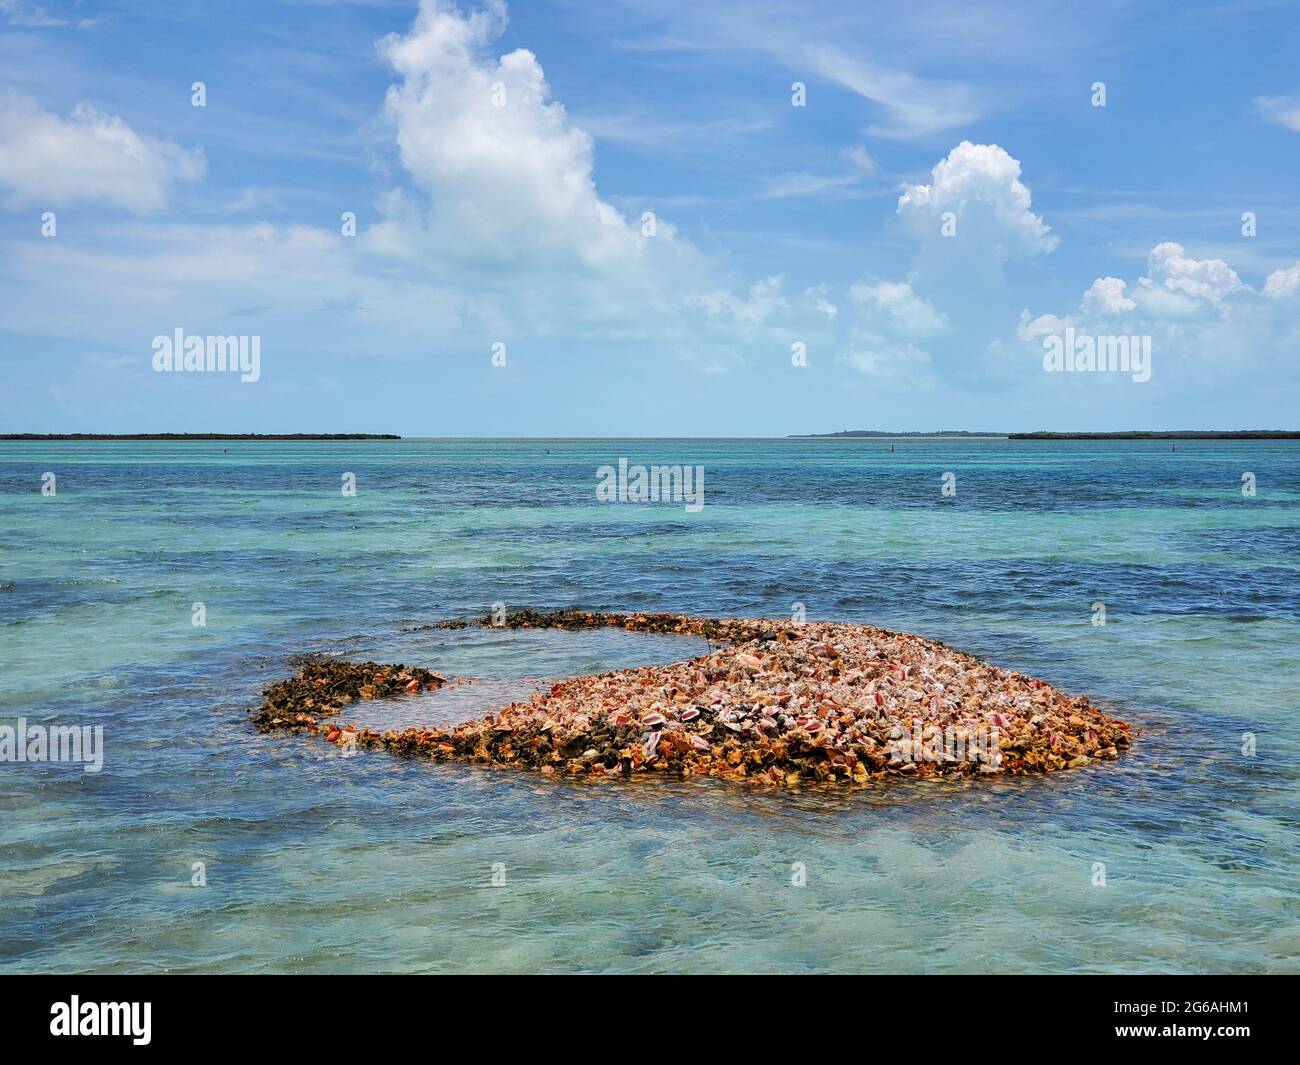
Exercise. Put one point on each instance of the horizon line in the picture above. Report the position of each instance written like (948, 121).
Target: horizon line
(849, 435)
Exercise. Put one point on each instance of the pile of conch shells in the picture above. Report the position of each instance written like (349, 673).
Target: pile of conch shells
(778, 703)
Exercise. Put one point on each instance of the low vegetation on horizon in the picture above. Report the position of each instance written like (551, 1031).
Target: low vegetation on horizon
(1132, 434)
(199, 436)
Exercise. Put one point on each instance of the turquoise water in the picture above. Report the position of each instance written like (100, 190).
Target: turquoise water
(319, 862)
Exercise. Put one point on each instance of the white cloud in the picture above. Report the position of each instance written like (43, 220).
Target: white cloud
(1044, 325)
(861, 158)
(1198, 312)
(914, 106)
(34, 16)
(505, 203)
(980, 185)
(888, 320)
(821, 304)
(1106, 296)
(1168, 265)
(883, 51)
(901, 366)
(895, 304)
(496, 231)
(504, 168)
(1284, 110)
(493, 229)
(646, 131)
(765, 297)
(299, 285)
(791, 186)
(88, 157)
(1284, 283)
(802, 183)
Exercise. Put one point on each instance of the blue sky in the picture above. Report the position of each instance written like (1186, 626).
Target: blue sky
(948, 197)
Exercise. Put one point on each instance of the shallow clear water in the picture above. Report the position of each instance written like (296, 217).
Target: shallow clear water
(319, 862)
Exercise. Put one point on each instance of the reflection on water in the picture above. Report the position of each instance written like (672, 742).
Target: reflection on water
(563, 652)
(458, 702)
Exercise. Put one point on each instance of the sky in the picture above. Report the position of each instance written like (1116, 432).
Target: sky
(650, 217)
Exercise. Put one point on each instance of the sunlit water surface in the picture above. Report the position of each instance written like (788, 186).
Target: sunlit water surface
(1181, 857)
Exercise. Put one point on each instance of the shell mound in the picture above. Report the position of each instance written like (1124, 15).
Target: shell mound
(781, 703)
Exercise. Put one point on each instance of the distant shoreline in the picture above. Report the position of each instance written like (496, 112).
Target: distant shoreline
(1185, 434)
(1132, 434)
(1181, 434)
(199, 436)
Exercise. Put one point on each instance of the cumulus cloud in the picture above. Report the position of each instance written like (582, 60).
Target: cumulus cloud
(1283, 284)
(1168, 265)
(821, 304)
(503, 200)
(888, 322)
(504, 168)
(1031, 328)
(893, 303)
(1106, 296)
(979, 184)
(901, 365)
(1198, 312)
(766, 297)
(494, 229)
(88, 157)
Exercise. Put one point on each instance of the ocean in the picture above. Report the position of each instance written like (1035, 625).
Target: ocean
(202, 846)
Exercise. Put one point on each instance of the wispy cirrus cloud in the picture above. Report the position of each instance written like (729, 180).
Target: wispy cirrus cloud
(798, 183)
(801, 183)
(911, 106)
(878, 53)
(23, 15)
(647, 131)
